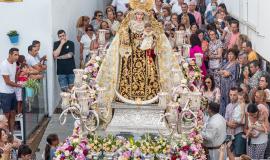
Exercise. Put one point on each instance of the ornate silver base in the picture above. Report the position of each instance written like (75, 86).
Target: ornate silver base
(136, 119)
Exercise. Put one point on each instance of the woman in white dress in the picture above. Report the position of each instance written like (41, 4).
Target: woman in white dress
(86, 44)
(82, 23)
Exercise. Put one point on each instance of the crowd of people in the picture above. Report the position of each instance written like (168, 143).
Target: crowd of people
(234, 83)
(15, 71)
(236, 87)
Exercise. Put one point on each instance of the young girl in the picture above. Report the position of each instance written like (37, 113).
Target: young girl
(23, 73)
(52, 143)
(148, 41)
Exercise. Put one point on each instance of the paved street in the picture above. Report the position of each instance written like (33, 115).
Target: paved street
(55, 127)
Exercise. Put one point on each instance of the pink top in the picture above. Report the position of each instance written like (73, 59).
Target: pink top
(198, 49)
(198, 18)
(233, 40)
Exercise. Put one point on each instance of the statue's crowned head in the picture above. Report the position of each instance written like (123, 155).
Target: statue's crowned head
(141, 5)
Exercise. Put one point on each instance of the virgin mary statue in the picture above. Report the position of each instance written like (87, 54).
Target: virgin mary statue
(128, 73)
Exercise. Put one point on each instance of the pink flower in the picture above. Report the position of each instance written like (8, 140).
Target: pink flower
(193, 148)
(80, 157)
(127, 154)
(184, 156)
(192, 134)
(191, 73)
(95, 74)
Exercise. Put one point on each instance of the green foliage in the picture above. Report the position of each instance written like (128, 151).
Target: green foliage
(34, 84)
(12, 33)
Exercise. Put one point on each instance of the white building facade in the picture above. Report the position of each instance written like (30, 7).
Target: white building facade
(253, 16)
(40, 20)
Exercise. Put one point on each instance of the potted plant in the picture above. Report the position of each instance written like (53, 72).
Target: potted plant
(13, 36)
(31, 87)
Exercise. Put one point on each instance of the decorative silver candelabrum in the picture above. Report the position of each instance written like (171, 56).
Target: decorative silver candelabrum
(104, 110)
(182, 113)
(102, 37)
(180, 38)
(77, 103)
(176, 75)
(185, 50)
(162, 103)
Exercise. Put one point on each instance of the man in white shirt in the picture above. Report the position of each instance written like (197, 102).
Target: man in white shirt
(8, 101)
(33, 60)
(37, 44)
(214, 132)
(121, 5)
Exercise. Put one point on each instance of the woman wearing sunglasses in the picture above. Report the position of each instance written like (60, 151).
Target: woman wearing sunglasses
(86, 43)
(97, 19)
(210, 91)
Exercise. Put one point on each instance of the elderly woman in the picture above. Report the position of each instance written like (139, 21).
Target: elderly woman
(264, 84)
(111, 18)
(166, 10)
(228, 74)
(257, 127)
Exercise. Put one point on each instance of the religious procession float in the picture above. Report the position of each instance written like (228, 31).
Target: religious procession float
(137, 99)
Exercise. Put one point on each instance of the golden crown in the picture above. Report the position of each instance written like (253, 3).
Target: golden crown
(141, 4)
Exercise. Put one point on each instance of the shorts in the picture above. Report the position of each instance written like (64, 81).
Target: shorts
(18, 92)
(8, 102)
(65, 81)
(239, 145)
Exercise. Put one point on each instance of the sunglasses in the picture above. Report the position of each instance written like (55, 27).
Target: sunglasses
(100, 15)
(207, 82)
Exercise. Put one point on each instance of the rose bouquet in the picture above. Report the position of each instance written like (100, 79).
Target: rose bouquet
(95, 143)
(187, 146)
(112, 143)
(92, 67)
(162, 146)
(73, 147)
(191, 71)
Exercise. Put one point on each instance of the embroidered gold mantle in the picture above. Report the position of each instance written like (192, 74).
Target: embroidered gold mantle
(138, 77)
